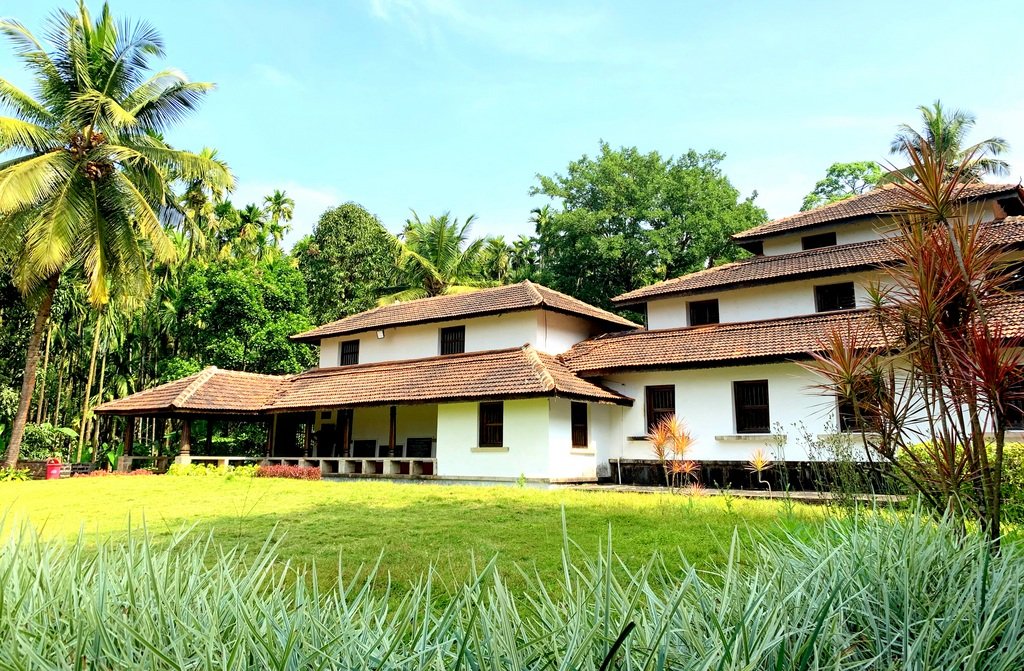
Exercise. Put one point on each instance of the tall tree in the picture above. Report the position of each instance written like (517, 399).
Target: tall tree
(281, 209)
(89, 172)
(842, 181)
(347, 262)
(944, 133)
(628, 218)
(436, 257)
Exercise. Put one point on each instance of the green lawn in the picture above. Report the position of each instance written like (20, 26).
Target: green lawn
(411, 525)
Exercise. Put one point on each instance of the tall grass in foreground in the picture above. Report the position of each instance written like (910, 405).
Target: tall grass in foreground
(872, 592)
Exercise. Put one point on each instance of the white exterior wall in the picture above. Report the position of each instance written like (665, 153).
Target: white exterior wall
(846, 234)
(548, 331)
(769, 301)
(526, 437)
(567, 462)
(704, 400)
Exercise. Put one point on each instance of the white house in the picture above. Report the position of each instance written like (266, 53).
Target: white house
(523, 381)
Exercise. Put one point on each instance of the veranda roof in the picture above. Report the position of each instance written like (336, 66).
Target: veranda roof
(520, 372)
(497, 300)
(210, 391)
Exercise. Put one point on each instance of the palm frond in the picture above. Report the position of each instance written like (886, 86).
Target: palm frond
(23, 104)
(27, 183)
(20, 134)
(145, 218)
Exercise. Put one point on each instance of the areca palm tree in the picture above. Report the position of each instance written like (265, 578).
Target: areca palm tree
(281, 209)
(90, 176)
(945, 132)
(198, 206)
(253, 232)
(436, 257)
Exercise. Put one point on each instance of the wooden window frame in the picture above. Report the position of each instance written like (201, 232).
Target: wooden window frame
(818, 241)
(342, 353)
(654, 414)
(693, 306)
(819, 298)
(742, 408)
(491, 431)
(579, 428)
(443, 341)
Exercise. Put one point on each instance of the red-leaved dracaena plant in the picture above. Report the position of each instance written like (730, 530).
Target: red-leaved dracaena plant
(933, 373)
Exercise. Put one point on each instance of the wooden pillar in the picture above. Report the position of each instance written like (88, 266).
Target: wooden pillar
(346, 418)
(186, 438)
(271, 437)
(209, 436)
(307, 439)
(392, 430)
(129, 436)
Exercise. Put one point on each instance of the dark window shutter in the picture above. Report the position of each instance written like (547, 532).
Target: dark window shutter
(751, 403)
(830, 297)
(661, 402)
(350, 353)
(492, 419)
(704, 312)
(453, 340)
(579, 424)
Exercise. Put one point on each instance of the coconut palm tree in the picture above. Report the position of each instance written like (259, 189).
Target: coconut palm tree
(436, 257)
(281, 209)
(945, 132)
(496, 259)
(89, 175)
(198, 207)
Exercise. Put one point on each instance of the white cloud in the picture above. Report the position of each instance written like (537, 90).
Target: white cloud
(310, 203)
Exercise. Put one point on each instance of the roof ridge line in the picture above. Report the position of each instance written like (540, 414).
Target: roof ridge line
(533, 290)
(545, 376)
(202, 377)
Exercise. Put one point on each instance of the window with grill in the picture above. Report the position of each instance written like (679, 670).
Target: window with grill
(579, 424)
(848, 418)
(350, 353)
(703, 312)
(453, 340)
(661, 402)
(751, 402)
(818, 241)
(829, 297)
(492, 421)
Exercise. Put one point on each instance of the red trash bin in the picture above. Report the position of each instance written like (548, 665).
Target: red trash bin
(53, 469)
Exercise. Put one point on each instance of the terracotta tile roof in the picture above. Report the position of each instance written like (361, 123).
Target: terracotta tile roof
(881, 201)
(520, 372)
(210, 390)
(511, 298)
(746, 342)
(812, 263)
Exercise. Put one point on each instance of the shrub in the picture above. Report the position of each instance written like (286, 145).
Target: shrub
(1013, 477)
(45, 440)
(8, 474)
(101, 473)
(869, 592)
(213, 470)
(294, 472)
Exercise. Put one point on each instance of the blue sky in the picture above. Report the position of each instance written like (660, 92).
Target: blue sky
(455, 105)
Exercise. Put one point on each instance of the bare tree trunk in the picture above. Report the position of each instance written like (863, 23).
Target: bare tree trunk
(41, 401)
(88, 384)
(60, 391)
(99, 399)
(31, 362)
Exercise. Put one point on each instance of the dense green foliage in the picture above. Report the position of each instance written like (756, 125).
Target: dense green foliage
(627, 219)
(841, 181)
(347, 262)
(871, 592)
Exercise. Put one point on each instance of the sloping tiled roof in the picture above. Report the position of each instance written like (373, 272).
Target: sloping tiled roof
(696, 346)
(520, 372)
(210, 390)
(511, 298)
(812, 263)
(881, 201)
(748, 342)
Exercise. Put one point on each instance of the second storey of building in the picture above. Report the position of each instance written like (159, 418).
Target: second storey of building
(484, 320)
(820, 261)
